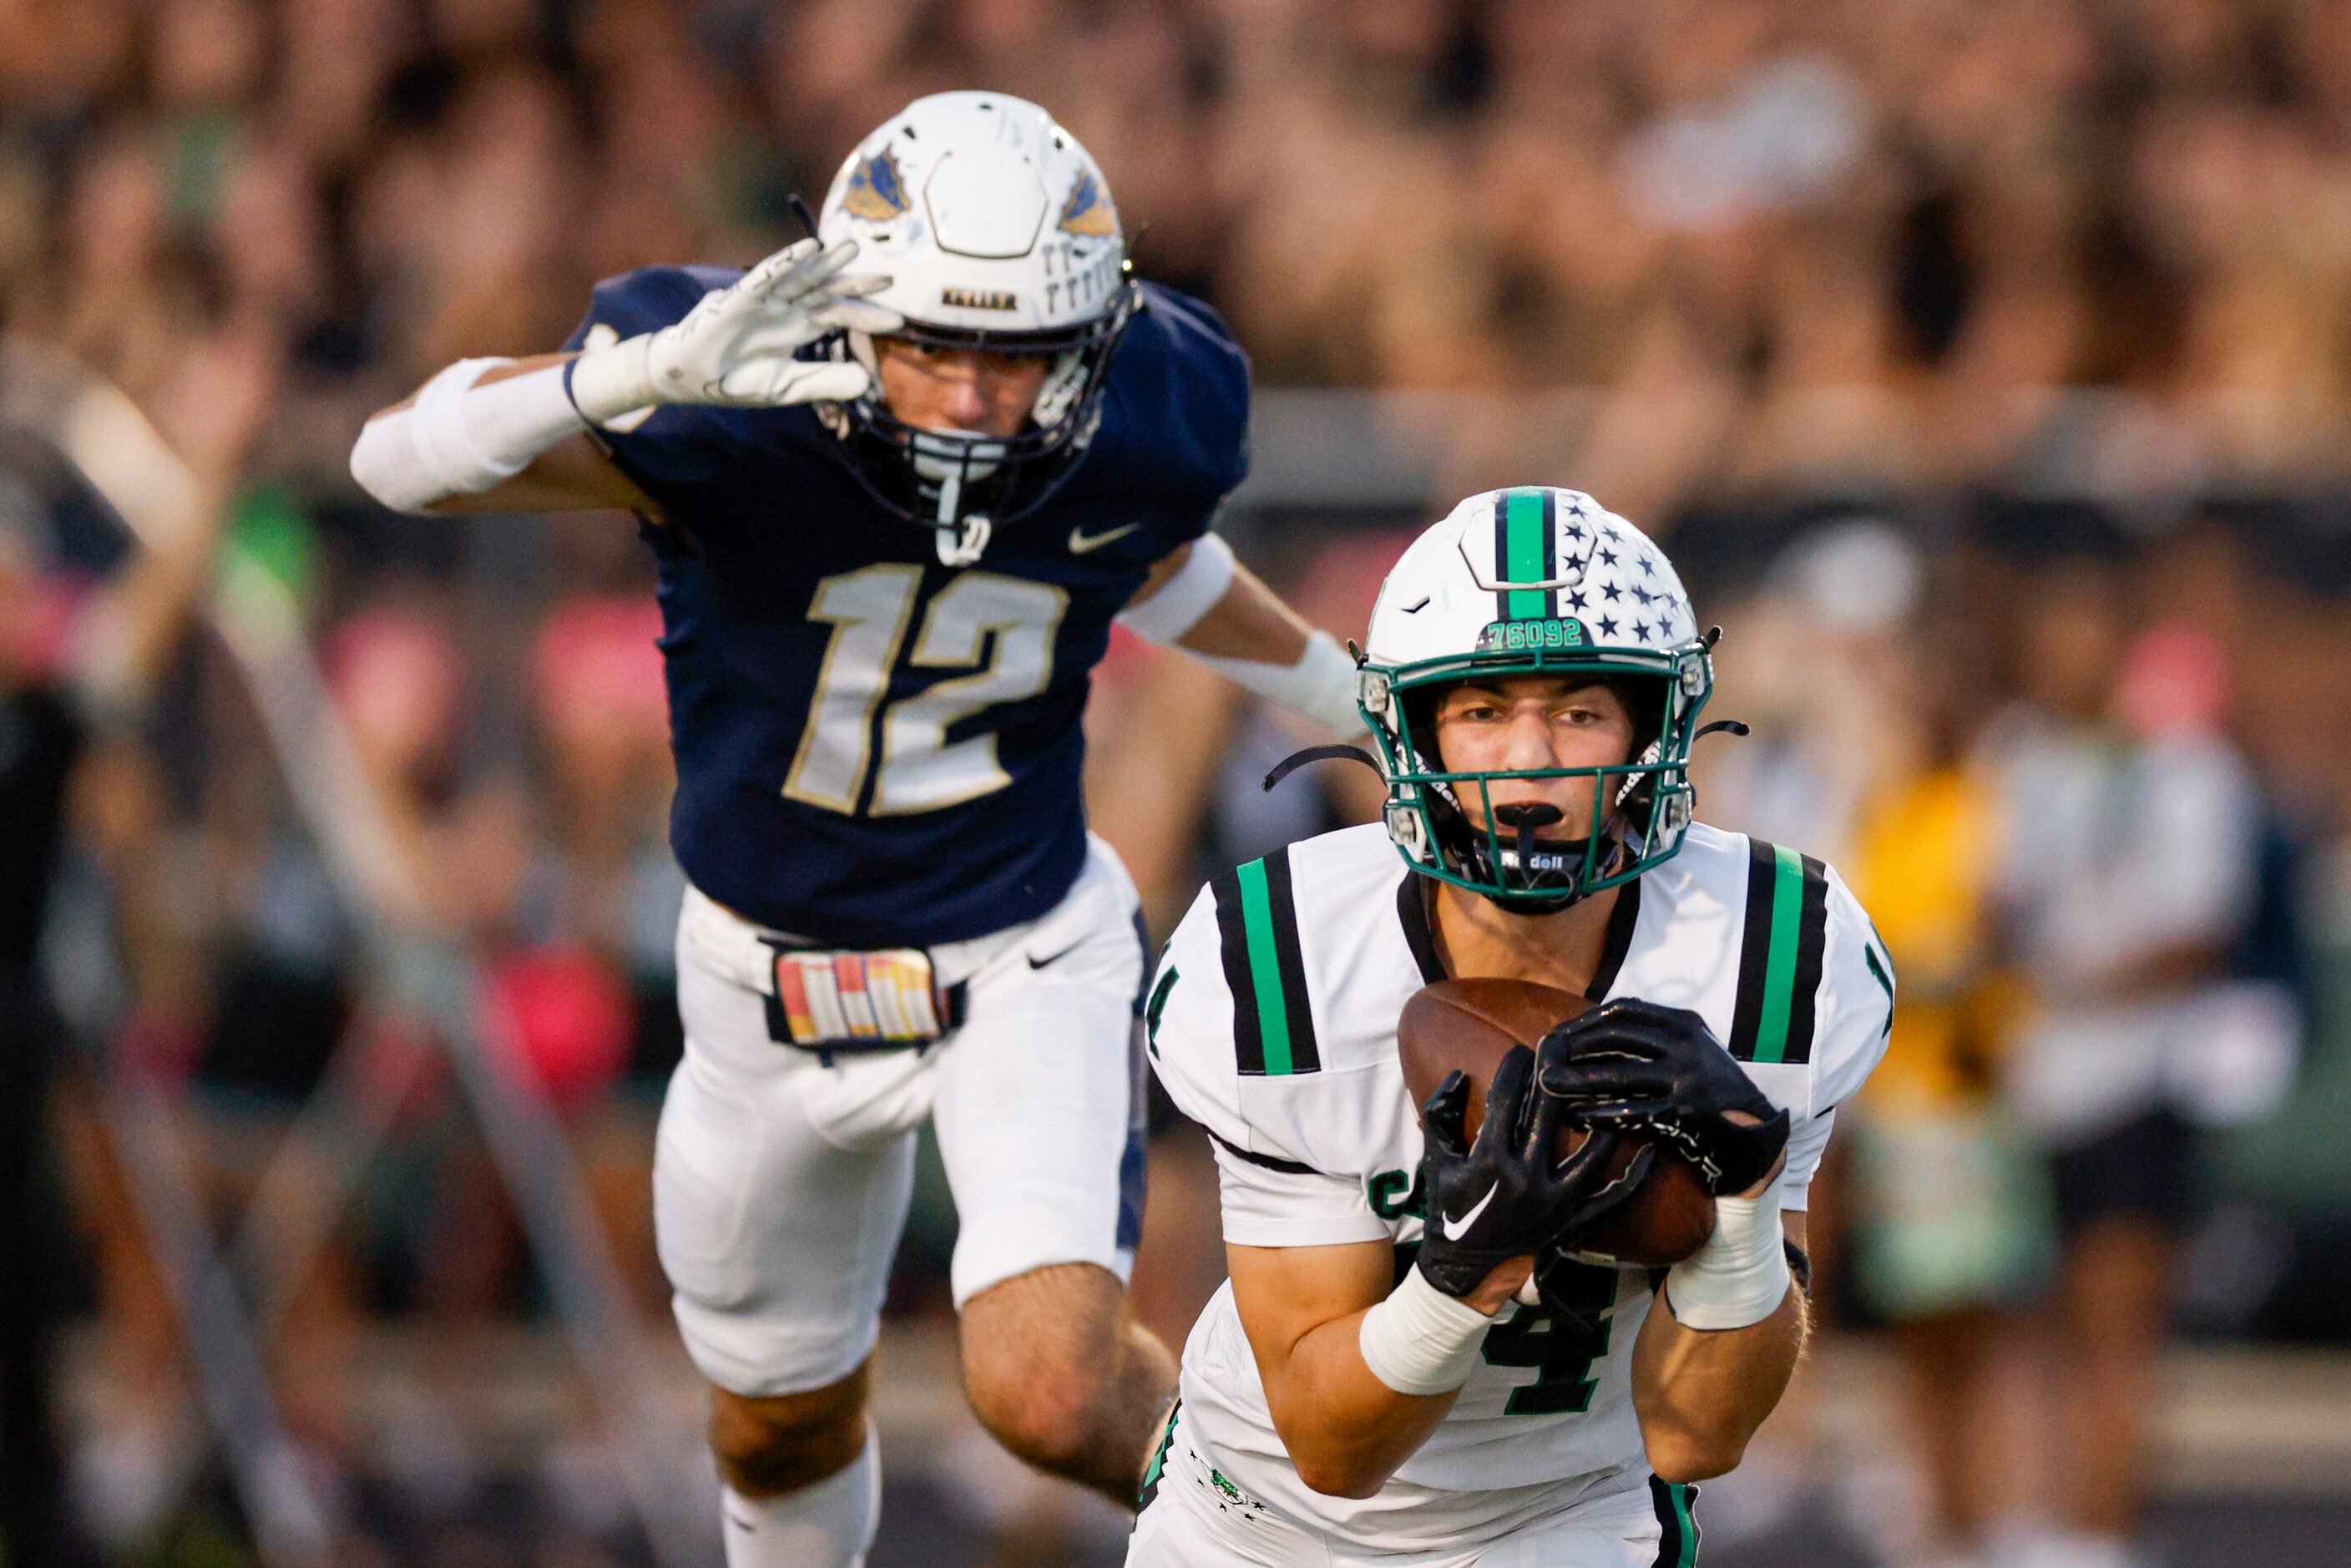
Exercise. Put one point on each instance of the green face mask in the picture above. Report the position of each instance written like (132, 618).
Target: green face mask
(1640, 810)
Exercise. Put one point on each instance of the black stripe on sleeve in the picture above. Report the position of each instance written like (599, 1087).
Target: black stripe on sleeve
(1299, 1010)
(1754, 949)
(1248, 1041)
(1287, 1167)
(1812, 943)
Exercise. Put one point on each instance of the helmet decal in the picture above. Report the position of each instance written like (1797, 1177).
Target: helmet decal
(1088, 210)
(877, 191)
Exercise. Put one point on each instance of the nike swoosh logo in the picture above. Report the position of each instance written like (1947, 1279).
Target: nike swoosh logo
(1454, 1228)
(1036, 963)
(1081, 541)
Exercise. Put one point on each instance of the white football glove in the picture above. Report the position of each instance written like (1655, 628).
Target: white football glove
(735, 348)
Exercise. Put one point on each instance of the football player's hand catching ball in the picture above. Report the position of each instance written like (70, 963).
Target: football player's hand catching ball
(1507, 1194)
(1631, 1065)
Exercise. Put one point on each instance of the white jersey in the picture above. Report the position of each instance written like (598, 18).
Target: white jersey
(1272, 1022)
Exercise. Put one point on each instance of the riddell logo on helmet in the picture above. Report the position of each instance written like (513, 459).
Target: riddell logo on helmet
(978, 298)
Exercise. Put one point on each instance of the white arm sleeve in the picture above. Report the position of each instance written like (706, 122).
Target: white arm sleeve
(1184, 597)
(459, 438)
(1321, 685)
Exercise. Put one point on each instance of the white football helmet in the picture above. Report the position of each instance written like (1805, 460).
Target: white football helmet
(997, 232)
(1525, 582)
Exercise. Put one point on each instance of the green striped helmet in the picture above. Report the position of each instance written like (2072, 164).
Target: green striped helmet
(1535, 581)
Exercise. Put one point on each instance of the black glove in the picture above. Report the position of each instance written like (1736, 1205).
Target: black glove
(1503, 1197)
(1633, 1065)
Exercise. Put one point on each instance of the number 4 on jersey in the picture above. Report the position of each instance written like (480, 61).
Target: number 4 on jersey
(1560, 1343)
(1009, 622)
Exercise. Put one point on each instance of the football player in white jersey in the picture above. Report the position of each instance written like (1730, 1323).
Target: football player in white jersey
(1372, 1388)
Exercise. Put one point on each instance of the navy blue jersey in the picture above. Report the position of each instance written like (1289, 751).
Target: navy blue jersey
(874, 749)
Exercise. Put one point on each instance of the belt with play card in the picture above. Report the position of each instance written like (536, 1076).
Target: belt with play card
(828, 1001)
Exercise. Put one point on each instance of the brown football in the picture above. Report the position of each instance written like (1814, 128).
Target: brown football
(1469, 1026)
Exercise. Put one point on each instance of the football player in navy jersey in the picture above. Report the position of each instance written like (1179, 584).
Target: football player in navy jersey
(898, 480)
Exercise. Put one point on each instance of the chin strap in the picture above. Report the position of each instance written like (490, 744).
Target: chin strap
(1339, 753)
(1523, 821)
(961, 544)
(1725, 725)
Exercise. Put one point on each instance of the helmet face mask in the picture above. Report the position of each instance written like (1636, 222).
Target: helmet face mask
(1444, 822)
(997, 230)
(941, 478)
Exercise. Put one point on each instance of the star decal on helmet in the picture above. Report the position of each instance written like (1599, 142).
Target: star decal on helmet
(1088, 211)
(1608, 626)
(1607, 555)
(877, 191)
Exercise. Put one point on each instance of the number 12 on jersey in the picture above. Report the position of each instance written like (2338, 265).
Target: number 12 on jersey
(1008, 621)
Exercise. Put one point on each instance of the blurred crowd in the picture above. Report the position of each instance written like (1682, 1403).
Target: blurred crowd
(1788, 238)
(2087, 766)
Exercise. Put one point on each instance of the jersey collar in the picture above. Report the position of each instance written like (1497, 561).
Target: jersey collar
(1412, 913)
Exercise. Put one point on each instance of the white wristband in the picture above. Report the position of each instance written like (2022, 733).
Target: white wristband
(1320, 684)
(1420, 1340)
(1184, 597)
(1741, 1276)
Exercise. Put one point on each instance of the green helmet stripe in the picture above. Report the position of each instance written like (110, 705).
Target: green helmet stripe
(1529, 552)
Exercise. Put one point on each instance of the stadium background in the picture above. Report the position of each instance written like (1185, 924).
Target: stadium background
(1899, 321)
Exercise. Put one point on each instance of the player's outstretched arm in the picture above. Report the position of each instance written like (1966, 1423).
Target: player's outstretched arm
(1201, 600)
(512, 435)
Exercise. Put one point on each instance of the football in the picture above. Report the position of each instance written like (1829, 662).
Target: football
(1469, 1025)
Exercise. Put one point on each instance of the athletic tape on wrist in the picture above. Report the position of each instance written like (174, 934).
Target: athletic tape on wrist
(1184, 597)
(1741, 1276)
(1320, 684)
(1420, 1340)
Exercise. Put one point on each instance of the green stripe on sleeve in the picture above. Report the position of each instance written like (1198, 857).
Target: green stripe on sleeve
(1779, 966)
(1265, 968)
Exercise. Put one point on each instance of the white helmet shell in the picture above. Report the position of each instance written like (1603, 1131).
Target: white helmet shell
(1534, 554)
(1532, 580)
(986, 215)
